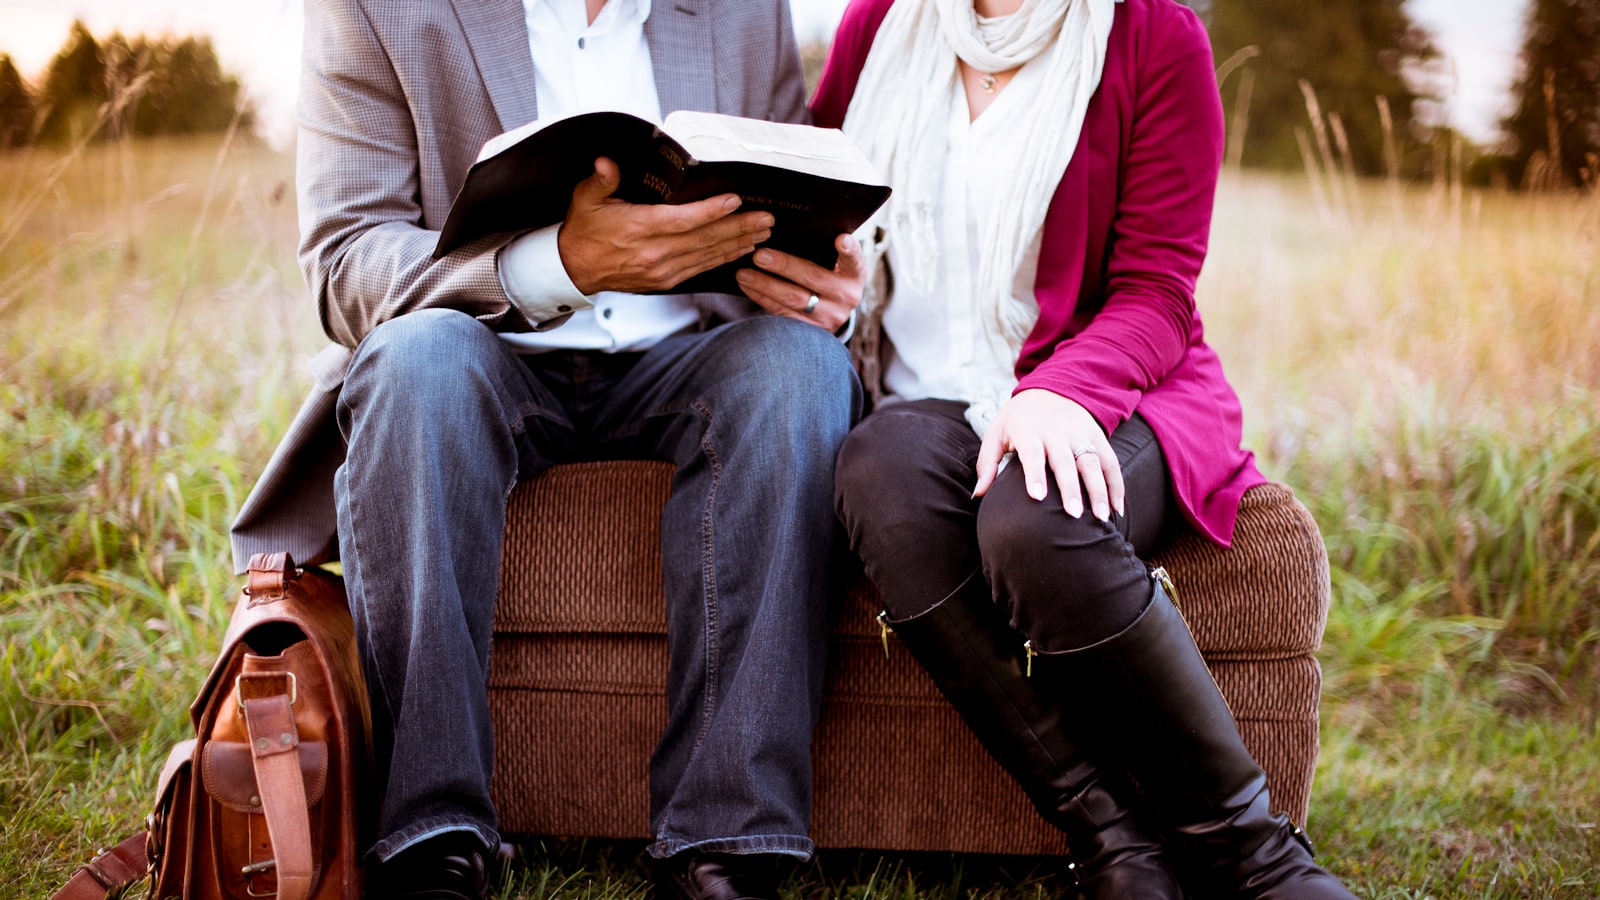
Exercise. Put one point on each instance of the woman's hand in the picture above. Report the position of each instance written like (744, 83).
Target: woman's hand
(787, 285)
(1047, 429)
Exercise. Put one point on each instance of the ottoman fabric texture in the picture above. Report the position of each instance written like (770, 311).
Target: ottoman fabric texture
(577, 680)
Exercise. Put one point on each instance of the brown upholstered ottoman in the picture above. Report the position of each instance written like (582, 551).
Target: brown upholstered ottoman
(580, 660)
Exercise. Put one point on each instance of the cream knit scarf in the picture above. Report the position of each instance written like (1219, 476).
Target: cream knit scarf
(898, 117)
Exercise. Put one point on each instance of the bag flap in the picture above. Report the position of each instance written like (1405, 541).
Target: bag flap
(228, 771)
(181, 756)
(278, 592)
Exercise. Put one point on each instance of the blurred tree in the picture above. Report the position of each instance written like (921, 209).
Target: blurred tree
(1555, 130)
(126, 65)
(1349, 55)
(74, 88)
(16, 106)
(181, 87)
(164, 86)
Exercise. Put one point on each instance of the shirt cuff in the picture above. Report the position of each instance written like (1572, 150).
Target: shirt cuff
(537, 283)
(848, 329)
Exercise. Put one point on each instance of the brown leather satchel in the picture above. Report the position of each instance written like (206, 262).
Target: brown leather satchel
(267, 799)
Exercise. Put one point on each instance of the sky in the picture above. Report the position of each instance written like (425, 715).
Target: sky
(260, 39)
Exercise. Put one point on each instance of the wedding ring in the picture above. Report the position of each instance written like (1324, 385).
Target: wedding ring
(811, 304)
(1081, 451)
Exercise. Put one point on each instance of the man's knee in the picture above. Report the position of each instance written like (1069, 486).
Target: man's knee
(790, 364)
(428, 354)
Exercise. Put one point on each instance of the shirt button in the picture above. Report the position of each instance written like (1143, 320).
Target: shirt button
(606, 312)
(580, 43)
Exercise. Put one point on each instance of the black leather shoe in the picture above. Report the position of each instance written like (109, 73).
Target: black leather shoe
(716, 876)
(452, 866)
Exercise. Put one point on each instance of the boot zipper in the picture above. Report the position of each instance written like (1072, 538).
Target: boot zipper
(1159, 573)
(883, 631)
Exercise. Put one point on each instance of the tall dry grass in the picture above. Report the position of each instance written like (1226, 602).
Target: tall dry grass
(1424, 372)
(1416, 361)
(150, 320)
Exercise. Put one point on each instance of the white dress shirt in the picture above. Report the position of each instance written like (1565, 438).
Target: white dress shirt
(939, 345)
(581, 66)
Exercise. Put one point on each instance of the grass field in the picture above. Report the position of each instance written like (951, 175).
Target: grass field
(1419, 363)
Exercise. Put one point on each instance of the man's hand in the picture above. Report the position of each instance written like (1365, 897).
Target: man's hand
(1045, 428)
(607, 244)
(793, 282)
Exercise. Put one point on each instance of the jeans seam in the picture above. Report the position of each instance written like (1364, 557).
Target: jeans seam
(708, 577)
(393, 845)
(366, 618)
(708, 581)
(800, 846)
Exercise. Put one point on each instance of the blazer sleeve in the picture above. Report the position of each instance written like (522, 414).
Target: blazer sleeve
(364, 249)
(1159, 233)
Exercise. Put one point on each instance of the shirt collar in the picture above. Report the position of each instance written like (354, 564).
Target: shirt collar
(615, 15)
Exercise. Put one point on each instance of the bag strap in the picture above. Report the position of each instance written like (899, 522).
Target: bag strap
(114, 871)
(108, 874)
(274, 747)
(268, 575)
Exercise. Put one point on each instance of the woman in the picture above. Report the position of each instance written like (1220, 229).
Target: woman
(1054, 164)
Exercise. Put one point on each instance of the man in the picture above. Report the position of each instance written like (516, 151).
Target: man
(455, 378)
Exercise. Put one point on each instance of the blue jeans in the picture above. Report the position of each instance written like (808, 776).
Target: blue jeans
(442, 421)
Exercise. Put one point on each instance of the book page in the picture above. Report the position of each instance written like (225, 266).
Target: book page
(825, 152)
(501, 141)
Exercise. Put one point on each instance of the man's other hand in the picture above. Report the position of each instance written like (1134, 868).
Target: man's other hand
(787, 285)
(607, 244)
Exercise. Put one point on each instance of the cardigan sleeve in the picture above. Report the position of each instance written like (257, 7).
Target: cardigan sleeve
(1159, 232)
(846, 57)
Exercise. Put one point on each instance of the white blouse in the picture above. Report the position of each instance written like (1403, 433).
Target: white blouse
(939, 345)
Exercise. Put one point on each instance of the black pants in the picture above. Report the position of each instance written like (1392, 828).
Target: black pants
(903, 490)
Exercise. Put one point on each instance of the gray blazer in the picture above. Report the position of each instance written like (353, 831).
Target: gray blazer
(396, 99)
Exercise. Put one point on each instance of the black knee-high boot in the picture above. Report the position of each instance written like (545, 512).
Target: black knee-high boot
(974, 657)
(1153, 696)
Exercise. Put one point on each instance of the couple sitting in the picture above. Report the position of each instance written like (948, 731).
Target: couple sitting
(1027, 296)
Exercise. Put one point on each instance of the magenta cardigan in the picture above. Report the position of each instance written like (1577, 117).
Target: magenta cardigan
(1126, 233)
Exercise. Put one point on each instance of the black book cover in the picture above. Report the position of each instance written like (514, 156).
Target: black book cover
(523, 180)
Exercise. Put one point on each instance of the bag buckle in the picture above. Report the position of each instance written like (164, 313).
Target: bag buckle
(154, 824)
(251, 871)
(269, 576)
(289, 685)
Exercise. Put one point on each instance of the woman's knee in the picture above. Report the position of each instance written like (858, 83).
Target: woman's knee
(875, 477)
(909, 455)
(1060, 576)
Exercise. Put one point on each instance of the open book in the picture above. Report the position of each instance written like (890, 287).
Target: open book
(816, 183)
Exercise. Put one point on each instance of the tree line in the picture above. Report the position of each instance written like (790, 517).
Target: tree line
(121, 86)
(1356, 85)
(1362, 83)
